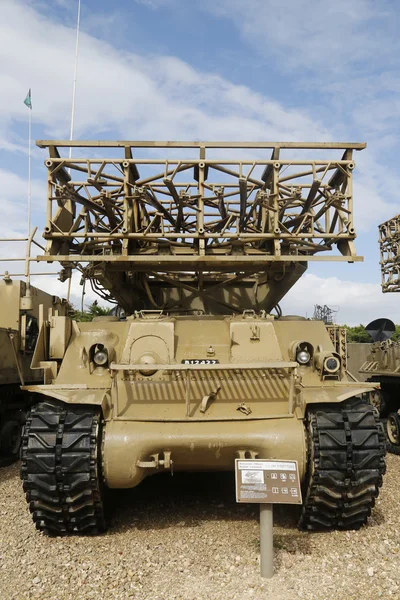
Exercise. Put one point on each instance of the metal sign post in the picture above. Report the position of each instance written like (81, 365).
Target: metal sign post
(267, 482)
(266, 540)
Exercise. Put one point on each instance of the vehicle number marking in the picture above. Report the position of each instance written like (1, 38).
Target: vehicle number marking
(200, 361)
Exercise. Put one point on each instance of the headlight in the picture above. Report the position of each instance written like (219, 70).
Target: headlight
(303, 357)
(331, 364)
(100, 357)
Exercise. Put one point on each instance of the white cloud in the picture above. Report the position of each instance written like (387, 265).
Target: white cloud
(14, 200)
(135, 95)
(356, 302)
(328, 36)
(54, 286)
(374, 192)
(130, 96)
(343, 57)
(155, 3)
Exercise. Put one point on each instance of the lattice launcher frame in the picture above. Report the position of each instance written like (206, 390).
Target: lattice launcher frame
(389, 243)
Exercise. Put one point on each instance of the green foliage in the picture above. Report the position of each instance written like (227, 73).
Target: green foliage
(94, 310)
(396, 336)
(359, 334)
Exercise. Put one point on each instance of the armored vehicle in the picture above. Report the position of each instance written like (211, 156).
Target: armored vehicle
(22, 312)
(383, 362)
(196, 251)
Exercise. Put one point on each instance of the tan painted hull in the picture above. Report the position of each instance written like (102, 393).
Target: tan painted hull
(195, 447)
(180, 416)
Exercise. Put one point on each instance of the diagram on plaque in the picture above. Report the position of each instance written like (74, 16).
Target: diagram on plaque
(267, 481)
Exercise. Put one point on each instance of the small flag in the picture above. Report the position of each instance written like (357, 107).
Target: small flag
(28, 100)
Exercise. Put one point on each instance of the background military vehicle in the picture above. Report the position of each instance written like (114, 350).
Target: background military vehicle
(23, 308)
(382, 364)
(197, 250)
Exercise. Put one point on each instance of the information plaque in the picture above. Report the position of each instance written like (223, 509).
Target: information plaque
(267, 481)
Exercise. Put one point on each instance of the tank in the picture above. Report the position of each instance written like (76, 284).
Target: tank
(197, 366)
(382, 364)
(22, 312)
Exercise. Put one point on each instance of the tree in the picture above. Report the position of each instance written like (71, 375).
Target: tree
(359, 334)
(94, 310)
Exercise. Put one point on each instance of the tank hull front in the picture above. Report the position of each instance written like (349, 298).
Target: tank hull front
(131, 448)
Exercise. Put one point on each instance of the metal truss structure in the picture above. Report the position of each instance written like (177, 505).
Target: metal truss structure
(201, 231)
(338, 337)
(389, 242)
(324, 313)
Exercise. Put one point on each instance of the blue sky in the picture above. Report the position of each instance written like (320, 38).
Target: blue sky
(182, 69)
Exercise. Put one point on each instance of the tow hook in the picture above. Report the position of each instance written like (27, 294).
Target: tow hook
(157, 462)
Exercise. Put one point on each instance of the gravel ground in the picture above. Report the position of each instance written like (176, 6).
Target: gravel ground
(185, 538)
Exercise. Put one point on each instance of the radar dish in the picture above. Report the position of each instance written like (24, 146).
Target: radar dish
(381, 329)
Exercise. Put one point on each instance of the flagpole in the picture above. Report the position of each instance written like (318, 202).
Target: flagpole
(28, 103)
(29, 171)
(71, 137)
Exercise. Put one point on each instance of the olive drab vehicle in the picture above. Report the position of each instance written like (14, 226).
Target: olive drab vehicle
(196, 242)
(22, 312)
(382, 365)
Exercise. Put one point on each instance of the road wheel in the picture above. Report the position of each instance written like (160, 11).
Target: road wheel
(393, 429)
(10, 439)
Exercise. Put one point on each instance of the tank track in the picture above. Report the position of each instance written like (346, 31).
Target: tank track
(61, 469)
(346, 465)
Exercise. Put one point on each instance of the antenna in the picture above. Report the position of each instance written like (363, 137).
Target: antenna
(380, 329)
(29, 170)
(71, 137)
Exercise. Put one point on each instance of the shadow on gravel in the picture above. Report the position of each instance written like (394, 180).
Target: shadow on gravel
(377, 519)
(186, 500)
(294, 542)
(9, 472)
